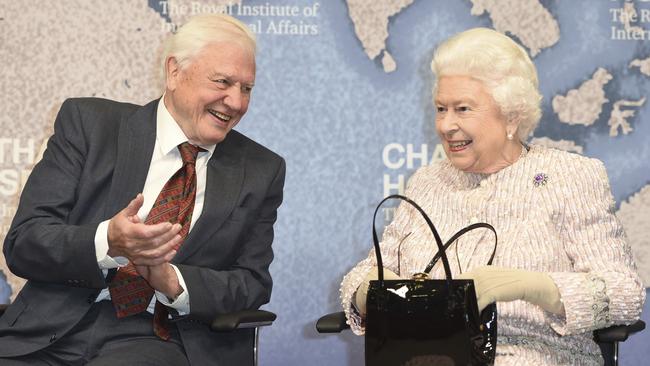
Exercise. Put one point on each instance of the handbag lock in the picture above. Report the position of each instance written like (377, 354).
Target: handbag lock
(420, 276)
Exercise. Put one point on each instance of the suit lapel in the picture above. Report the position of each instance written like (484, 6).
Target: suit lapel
(225, 176)
(137, 138)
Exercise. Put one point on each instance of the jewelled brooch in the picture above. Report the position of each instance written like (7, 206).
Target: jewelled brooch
(540, 179)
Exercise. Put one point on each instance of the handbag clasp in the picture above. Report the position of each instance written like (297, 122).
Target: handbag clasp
(420, 276)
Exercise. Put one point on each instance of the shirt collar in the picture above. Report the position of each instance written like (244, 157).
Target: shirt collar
(169, 133)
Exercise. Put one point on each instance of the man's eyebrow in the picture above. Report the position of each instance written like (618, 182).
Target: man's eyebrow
(223, 75)
(220, 75)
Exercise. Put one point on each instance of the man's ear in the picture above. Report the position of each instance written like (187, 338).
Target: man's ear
(172, 73)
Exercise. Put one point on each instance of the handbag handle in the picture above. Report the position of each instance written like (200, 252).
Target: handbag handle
(441, 248)
(460, 233)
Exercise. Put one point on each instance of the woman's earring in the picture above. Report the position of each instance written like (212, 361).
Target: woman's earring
(509, 136)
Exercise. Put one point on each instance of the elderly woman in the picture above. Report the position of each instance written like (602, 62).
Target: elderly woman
(562, 266)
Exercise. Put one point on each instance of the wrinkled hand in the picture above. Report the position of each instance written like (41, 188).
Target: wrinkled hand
(161, 277)
(362, 291)
(509, 284)
(141, 244)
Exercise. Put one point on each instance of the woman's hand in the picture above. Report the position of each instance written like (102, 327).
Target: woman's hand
(509, 284)
(359, 300)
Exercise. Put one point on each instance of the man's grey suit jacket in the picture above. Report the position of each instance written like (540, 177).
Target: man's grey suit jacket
(95, 163)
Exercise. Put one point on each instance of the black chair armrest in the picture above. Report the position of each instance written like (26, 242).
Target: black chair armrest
(242, 319)
(332, 323)
(618, 333)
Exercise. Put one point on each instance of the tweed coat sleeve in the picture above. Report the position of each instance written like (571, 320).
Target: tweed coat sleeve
(604, 288)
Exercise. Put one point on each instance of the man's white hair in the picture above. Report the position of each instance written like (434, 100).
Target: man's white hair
(201, 31)
(504, 68)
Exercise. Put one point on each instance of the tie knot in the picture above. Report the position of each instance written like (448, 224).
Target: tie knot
(189, 152)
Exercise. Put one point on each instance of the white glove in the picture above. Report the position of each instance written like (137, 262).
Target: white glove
(359, 300)
(509, 284)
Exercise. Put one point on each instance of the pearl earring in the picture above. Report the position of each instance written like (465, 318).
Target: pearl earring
(509, 136)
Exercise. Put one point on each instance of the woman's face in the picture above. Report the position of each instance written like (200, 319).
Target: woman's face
(471, 126)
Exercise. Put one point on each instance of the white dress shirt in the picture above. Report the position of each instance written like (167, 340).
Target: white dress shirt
(165, 161)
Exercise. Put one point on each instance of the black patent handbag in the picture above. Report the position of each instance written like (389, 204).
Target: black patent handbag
(421, 321)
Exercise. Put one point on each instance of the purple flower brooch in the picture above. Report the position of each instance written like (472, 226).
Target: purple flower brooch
(540, 179)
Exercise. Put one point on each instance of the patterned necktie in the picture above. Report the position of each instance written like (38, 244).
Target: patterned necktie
(130, 293)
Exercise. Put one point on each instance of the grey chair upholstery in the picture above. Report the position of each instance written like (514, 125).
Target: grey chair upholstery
(231, 321)
(607, 338)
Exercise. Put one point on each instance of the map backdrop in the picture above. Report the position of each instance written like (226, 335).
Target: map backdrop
(343, 93)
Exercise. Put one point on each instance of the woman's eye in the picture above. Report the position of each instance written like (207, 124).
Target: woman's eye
(463, 109)
(440, 109)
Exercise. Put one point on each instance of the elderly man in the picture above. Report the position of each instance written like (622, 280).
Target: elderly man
(141, 223)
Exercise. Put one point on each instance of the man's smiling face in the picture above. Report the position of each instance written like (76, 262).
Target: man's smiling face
(210, 95)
